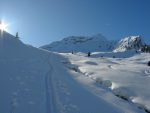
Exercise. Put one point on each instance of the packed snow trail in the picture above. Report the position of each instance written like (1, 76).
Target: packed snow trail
(48, 93)
(50, 97)
(70, 96)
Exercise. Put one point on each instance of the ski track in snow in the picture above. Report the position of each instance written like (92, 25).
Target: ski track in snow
(50, 92)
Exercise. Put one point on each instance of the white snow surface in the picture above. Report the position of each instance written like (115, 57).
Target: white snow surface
(23, 70)
(37, 81)
(128, 78)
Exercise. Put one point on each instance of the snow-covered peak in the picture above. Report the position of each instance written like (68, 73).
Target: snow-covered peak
(129, 43)
(80, 44)
(83, 39)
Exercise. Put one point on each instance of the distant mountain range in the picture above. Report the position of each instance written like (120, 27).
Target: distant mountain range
(95, 43)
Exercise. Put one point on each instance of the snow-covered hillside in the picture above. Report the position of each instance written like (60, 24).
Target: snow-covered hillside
(23, 70)
(95, 43)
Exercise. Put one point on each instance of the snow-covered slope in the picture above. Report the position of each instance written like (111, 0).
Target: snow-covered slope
(81, 44)
(129, 43)
(95, 43)
(22, 77)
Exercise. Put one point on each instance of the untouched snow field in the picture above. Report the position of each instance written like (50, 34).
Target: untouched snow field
(37, 81)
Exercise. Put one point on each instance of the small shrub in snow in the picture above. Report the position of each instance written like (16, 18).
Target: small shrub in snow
(74, 68)
(98, 80)
(148, 63)
(114, 57)
(17, 35)
(107, 83)
(89, 54)
(72, 52)
(145, 48)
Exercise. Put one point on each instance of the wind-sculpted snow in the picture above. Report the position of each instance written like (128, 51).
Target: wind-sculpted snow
(126, 78)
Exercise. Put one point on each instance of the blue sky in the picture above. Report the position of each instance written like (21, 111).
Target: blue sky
(40, 22)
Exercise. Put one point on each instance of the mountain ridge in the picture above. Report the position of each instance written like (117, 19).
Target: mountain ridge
(95, 43)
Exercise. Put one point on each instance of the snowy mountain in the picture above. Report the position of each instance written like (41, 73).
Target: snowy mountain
(129, 43)
(95, 43)
(80, 44)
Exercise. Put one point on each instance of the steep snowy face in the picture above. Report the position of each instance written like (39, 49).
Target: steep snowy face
(81, 44)
(129, 43)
